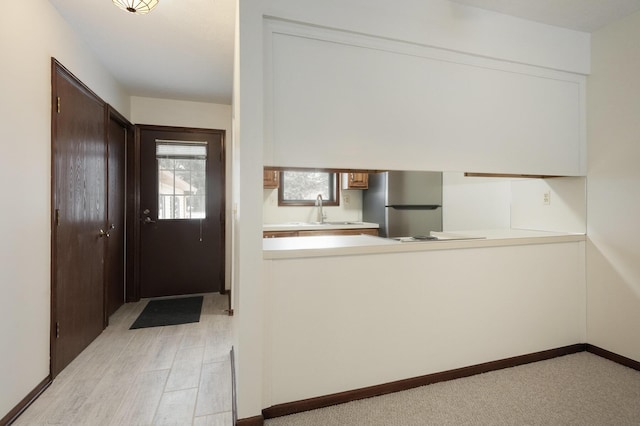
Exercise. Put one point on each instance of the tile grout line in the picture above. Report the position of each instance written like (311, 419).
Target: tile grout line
(164, 387)
(137, 376)
(155, 412)
(195, 405)
(113, 358)
(173, 361)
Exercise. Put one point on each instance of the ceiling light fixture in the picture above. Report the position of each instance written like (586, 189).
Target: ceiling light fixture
(137, 7)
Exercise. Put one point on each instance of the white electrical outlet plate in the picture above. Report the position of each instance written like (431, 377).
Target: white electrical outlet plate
(546, 198)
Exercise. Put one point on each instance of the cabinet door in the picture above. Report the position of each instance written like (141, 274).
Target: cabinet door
(271, 179)
(355, 180)
(279, 234)
(359, 231)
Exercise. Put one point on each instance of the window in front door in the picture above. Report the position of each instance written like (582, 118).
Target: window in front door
(182, 190)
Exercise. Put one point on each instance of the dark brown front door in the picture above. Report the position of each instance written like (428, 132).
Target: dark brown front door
(114, 263)
(79, 216)
(181, 210)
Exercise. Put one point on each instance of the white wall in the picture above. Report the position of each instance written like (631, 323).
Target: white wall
(247, 289)
(564, 212)
(30, 33)
(436, 23)
(471, 203)
(168, 112)
(613, 188)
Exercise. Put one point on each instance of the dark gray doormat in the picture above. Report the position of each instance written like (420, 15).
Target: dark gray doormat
(181, 310)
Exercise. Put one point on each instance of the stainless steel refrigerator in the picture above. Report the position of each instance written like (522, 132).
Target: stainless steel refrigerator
(404, 203)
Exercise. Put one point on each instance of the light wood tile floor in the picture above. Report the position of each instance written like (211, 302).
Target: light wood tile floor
(174, 375)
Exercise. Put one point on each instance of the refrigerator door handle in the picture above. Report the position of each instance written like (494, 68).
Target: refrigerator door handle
(414, 206)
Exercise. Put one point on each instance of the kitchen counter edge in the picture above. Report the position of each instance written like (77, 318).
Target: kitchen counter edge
(378, 245)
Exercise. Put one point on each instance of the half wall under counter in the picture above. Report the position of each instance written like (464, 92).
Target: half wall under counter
(344, 313)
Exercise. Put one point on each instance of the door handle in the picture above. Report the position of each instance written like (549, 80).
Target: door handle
(101, 234)
(147, 219)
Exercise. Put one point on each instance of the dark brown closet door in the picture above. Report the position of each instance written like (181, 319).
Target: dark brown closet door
(114, 264)
(79, 217)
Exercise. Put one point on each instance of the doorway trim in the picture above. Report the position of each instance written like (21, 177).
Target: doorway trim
(112, 114)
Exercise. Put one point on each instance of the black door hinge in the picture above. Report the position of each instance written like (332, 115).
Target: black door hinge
(57, 330)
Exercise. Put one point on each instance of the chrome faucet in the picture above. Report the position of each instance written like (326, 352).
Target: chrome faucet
(320, 217)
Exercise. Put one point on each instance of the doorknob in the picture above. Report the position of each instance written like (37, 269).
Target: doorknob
(101, 234)
(147, 219)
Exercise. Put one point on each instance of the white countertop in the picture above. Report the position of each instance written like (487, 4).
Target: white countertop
(324, 242)
(317, 246)
(310, 226)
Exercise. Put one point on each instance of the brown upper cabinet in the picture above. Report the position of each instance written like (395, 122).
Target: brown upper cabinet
(271, 179)
(353, 180)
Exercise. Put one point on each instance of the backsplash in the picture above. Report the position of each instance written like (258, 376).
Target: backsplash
(556, 204)
(350, 209)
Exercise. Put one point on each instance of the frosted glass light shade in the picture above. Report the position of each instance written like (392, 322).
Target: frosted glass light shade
(138, 7)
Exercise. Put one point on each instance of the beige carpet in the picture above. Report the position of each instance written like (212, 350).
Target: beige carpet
(578, 389)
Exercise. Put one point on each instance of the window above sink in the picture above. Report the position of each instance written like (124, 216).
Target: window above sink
(301, 188)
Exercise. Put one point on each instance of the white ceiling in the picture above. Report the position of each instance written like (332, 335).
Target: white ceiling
(183, 49)
(580, 15)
